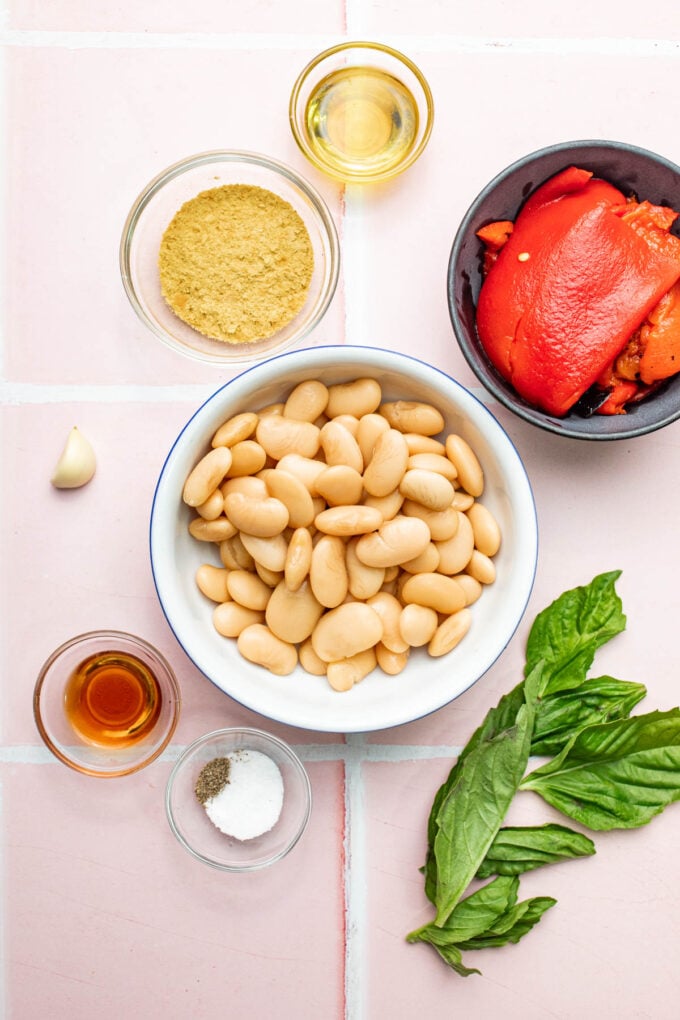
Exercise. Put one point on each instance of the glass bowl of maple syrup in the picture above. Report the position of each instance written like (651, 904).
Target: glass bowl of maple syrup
(361, 112)
(106, 703)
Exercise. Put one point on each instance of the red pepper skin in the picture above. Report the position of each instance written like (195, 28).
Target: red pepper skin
(621, 394)
(569, 287)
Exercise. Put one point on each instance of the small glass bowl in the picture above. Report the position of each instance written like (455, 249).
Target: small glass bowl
(58, 733)
(192, 826)
(156, 206)
(377, 57)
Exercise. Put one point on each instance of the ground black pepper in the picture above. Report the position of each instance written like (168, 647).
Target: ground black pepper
(212, 778)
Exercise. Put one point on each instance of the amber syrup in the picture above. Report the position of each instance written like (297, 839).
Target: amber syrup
(112, 699)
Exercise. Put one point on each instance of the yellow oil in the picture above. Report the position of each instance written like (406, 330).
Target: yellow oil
(361, 122)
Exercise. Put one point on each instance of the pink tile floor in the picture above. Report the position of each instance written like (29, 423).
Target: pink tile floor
(103, 914)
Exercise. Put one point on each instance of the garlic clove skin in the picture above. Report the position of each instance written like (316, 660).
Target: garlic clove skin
(77, 463)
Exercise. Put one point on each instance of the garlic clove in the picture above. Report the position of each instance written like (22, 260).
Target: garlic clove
(77, 463)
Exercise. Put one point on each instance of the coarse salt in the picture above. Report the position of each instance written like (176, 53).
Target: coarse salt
(250, 802)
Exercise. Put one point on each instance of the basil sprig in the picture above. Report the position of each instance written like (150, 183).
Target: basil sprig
(610, 770)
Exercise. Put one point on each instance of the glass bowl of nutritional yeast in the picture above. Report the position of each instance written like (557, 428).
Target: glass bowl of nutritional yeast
(229, 257)
(106, 703)
(361, 112)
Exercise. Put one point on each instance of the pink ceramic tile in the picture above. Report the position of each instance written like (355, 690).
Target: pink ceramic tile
(67, 317)
(490, 109)
(265, 16)
(79, 559)
(498, 19)
(105, 914)
(579, 960)
(108, 916)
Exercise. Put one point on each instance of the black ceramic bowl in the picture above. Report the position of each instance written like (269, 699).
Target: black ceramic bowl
(629, 168)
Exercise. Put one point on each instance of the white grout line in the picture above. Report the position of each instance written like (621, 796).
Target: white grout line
(353, 753)
(355, 883)
(247, 41)
(34, 393)
(3, 885)
(3, 203)
(354, 266)
(355, 21)
(16, 394)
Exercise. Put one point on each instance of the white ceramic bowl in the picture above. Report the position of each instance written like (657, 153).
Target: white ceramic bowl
(378, 701)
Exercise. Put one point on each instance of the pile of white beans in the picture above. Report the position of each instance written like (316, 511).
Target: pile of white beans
(348, 534)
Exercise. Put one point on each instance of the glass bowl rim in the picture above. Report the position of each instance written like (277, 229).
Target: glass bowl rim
(105, 634)
(225, 732)
(377, 47)
(237, 156)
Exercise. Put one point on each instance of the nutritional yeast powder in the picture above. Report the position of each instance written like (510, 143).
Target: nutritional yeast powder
(236, 263)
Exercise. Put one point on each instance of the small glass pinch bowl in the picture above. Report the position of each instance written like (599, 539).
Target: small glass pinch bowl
(155, 726)
(193, 828)
(155, 208)
(361, 112)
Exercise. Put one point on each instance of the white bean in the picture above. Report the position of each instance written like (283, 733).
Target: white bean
(257, 644)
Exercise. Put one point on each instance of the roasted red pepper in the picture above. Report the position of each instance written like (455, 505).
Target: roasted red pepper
(582, 271)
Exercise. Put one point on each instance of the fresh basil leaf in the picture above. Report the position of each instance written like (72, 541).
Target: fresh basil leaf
(473, 915)
(599, 699)
(473, 810)
(568, 632)
(471, 918)
(488, 917)
(513, 925)
(452, 956)
(615, 775)
(497, 719)
(517, 849)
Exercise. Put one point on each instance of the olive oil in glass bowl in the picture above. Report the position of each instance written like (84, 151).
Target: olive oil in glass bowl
(361, 112)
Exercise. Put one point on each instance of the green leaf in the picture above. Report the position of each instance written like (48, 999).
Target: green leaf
(488, 917)
(497, 719)
(478, 912)
(471, 918)
(513, 925)
(615, 775)
(452, 956)
(473, 915)
(567, 634)
(517, 849)
(561, 715)
(473, 809)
